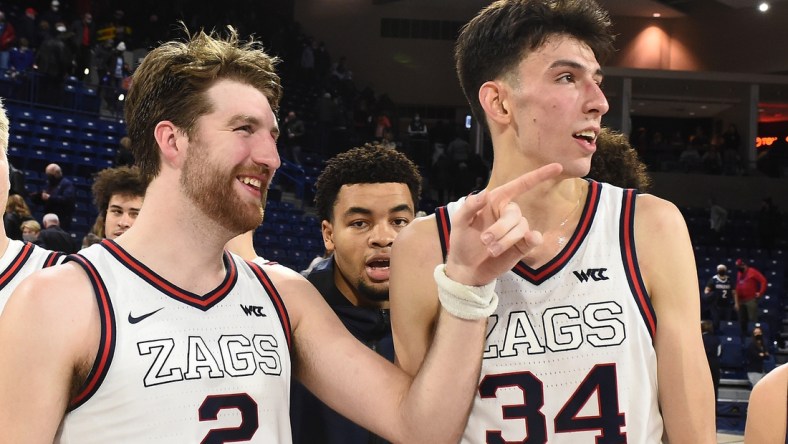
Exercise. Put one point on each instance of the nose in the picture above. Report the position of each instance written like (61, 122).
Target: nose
(265, 153)
(382, 235)
(596, 102)
(125, 221)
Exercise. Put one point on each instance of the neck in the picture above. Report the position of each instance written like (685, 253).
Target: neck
(173, 238)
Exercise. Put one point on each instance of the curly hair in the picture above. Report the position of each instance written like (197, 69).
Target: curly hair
(617, 163)
(493, 43)
(172, 81)
(371, 163)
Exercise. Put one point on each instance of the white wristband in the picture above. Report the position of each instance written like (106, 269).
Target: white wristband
(465, 301)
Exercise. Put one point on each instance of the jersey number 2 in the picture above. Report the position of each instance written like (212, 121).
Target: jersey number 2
(209, 411)
(600, 380)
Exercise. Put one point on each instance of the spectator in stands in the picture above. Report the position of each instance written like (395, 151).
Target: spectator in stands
(16, 212)
(53, 63)
(718, 297)
(751, 284)
(711, 343)
(59, 196)
(124, 156)
(53, 237)
(294, 130)
(21, 58)
(757, 353)
(418, 141)
(30, 231)
(7, 40)
(718, 216)
(766, 410)
(118, 194)
(28, 28)
(616, 162)
(364, 197)
(52, 14)
(84, 37)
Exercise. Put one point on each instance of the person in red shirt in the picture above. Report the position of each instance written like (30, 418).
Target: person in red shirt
(750, 286)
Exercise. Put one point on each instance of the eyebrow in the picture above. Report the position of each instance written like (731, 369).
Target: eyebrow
(574, 65)
(120, 207)
(243, 118)
(366, 211)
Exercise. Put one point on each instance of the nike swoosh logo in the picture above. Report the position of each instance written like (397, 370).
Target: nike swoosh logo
(134, 320)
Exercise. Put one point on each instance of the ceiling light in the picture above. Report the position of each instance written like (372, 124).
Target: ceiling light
(656, 15)
(763, 7)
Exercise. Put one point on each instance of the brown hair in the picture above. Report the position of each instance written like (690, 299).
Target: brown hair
(16, 204)
(494, 42)
(171, 82)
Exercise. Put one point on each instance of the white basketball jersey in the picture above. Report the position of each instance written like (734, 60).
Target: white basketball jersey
(569, 355)
(19, 261)
(177, 367)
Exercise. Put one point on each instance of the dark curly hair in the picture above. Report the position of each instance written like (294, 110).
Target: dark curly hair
(371, 163)
(617, 163)
(109, 182)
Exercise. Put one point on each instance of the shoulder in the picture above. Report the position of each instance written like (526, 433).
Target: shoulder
(419, 237)
(657, 213)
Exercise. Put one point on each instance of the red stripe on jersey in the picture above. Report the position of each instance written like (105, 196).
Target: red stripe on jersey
(276, 298)
(107, 341)
(52, 259)
(577, 237)
(205, 301)
(16, 264)
(630, 262)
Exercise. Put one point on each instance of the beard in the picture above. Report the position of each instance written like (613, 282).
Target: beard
(372, 293)
(213, 192)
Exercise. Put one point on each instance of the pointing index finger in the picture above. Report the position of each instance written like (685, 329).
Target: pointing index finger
(508, 191)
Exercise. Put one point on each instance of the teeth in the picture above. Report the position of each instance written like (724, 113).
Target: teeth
(586, 135)
(251, 181)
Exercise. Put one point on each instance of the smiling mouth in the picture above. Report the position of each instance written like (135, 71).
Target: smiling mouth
(251, 182)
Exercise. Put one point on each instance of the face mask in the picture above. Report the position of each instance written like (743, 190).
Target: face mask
(52, 180)
(29, 237)
(722, 273)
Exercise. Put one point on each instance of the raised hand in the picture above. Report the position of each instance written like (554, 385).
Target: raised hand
(489, 233)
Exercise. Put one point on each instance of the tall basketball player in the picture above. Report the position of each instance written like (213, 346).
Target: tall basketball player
(163, 337)
(595, 338)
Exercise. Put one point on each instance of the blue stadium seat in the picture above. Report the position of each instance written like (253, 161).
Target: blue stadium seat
(730, 328)
(732, 355)
(21, 127)
(69, 134)
(19, 140)
(44, 129)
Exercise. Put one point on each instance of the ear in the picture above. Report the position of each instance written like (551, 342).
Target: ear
(493, 98)
(328, 235)
(172, 142)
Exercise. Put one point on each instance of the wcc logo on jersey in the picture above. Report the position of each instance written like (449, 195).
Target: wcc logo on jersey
(595, 274)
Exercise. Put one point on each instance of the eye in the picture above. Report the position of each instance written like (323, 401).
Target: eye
(245, 128)
(566, 78)
(401, 222)
(116, 212)
(358, 224)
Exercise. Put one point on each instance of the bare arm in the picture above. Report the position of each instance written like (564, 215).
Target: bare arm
(47, 332)
(668, 266)
(766, 413)
(371, 391)
(414, 295)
